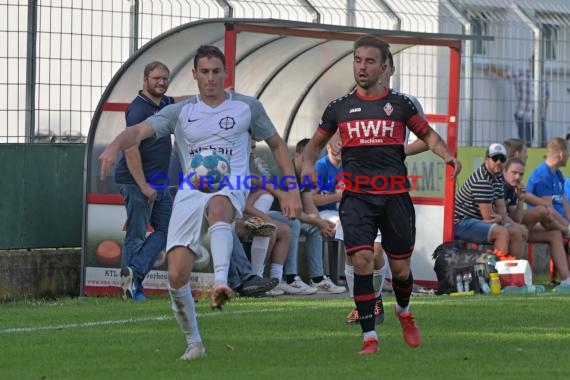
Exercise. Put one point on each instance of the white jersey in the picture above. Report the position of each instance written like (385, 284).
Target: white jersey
(226, 129)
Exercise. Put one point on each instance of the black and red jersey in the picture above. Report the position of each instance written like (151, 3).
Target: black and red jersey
(373, 133)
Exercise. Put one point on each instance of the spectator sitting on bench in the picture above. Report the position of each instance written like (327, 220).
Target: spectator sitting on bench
(254, 225)
(480, 210)
(328, 193)
(267, 235)
(547, 181)
(517, 149)
(542, 227)
(313, 227)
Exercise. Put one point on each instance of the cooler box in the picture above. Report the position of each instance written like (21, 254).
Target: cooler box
(514, 273)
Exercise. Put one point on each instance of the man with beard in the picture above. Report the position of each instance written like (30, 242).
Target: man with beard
(145, 205)
(480, 211)
(372, 122)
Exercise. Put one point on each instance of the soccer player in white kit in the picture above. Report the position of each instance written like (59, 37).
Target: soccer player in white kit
(223, 122)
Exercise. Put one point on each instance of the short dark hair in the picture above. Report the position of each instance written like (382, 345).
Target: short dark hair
(513, 146)
(209, 51)
(390, 59)
(374, 41)
(514, 160)
(301, 145)
(153, 65)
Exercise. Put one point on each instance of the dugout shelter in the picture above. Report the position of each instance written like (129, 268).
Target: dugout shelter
(295, 69)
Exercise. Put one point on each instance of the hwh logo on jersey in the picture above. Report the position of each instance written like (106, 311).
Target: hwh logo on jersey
(370, 128)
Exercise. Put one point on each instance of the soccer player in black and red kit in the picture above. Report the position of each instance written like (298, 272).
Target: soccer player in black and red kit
(372, 122)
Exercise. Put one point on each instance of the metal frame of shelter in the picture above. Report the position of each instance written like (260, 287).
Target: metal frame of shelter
(392, 37)
(112, 104)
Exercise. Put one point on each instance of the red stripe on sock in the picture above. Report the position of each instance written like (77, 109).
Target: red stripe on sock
(365, 297)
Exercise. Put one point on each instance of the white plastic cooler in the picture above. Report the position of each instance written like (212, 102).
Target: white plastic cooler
(514, 273)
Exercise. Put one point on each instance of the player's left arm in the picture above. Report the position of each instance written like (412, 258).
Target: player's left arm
(416, 147)
(418, 124)
(436, 144)
(291, 202)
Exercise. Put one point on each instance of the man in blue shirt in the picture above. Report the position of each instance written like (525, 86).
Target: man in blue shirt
(547, 181)
(145, 205)
(326, 196)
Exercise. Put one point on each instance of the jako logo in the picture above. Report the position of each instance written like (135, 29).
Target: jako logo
(353, 110)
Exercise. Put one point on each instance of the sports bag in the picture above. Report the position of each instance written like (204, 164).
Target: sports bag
(453, 262)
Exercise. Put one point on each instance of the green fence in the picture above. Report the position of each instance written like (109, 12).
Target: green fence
(41, 205)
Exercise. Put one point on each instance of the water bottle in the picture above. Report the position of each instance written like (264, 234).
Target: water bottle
(539, 289)
(515, 289)
(492, 260)
(483, 284)
(530, 289)
(495, 283)
(459, 282)
(467, 281)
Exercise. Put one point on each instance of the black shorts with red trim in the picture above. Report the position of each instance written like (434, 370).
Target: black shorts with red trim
(362, 215)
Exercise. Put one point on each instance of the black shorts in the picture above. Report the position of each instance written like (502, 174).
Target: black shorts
(362, 215)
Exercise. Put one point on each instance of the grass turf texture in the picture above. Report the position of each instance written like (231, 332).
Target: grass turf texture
(480, 337)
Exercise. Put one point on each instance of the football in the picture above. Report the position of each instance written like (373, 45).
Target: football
(211, 169)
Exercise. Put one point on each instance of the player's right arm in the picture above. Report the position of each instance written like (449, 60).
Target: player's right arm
(160, 124)
(130, 137)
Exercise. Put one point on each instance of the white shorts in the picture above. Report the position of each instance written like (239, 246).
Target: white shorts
(332, 215)
(188, 226)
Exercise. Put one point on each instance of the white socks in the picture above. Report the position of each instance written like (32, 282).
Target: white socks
(260, 244)
(221, 247)
(349, 275)
(370, 335)
(182, 304)
(400, 309)
(258, 252)
(377, 279)
(276, 271)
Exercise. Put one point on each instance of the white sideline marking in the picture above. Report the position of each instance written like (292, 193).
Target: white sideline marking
(81, 325)
(130, 320)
